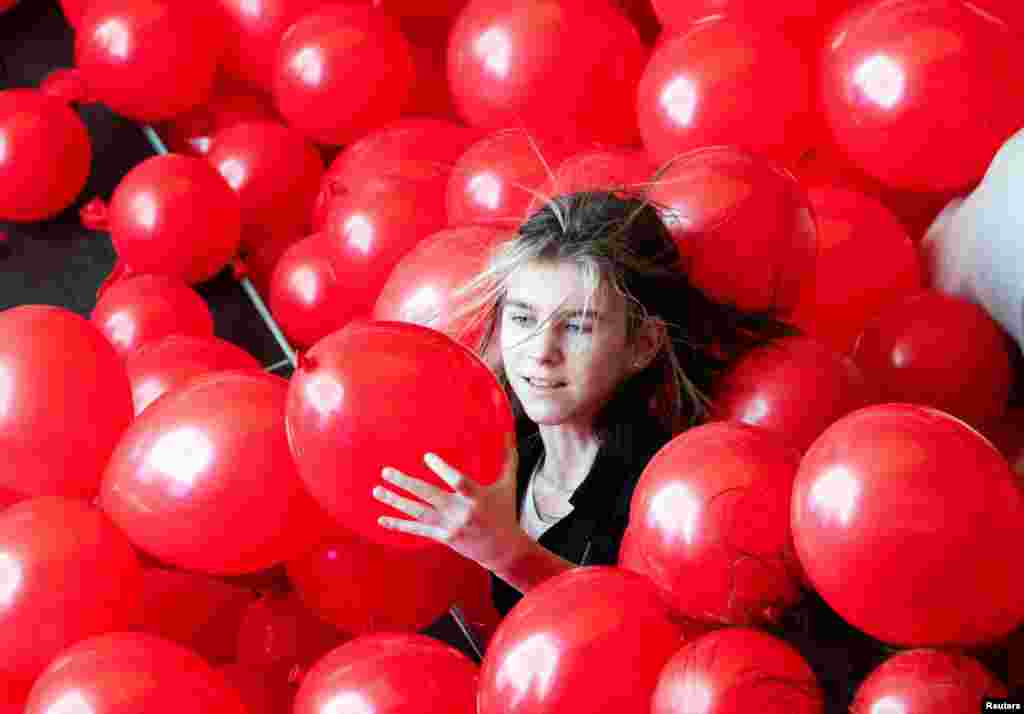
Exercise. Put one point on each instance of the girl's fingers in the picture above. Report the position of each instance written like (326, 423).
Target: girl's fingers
(449, 475)
(407, 506)
(412, 528)
(415, 486)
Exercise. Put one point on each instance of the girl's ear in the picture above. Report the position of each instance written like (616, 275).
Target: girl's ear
(648, 341)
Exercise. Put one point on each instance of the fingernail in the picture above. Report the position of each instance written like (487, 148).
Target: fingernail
(386, 472)
(382, 521)
(378, 491)
(430, 458)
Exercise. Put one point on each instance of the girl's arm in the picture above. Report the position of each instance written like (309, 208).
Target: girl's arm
(529, 564)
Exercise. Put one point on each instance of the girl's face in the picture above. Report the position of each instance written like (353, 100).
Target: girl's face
(563, 364)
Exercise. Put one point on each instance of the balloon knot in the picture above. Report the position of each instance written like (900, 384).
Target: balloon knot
(95, 216)
(68, 85)
(305, 362)
(239, 269)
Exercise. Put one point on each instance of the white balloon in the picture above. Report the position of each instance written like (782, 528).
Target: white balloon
(975, 248)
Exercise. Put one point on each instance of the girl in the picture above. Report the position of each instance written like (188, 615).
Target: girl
(605, 351)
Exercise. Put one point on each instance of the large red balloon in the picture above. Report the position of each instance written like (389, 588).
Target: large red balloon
(341, 71)
(254, 34)
(737, 670)
(769, 387)
(614, 168)
(64, 402)
(938, 350)
(370, 230)
(743, 224)
(13, 695)
(422, 287)
(276, 173)
(720, 83)
(391, 674)
(851, 285)
(904, 82)
(362, 587)
(882, 495)
(201, 613)
(678, 16)
(229, 104)
(45, 152)
(133, 60)
(369, 396)
(167, 364)
(496, 179)
(712, 507)
(413, 148)
(279, 632)
(203, 478)
(558, 68)
(305, 297)
(66, 573)
(175, 215)
(562, 647)
(927, 681)
(132, 672)
(145, 308)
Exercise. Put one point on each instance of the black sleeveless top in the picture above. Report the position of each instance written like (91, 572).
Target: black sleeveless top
(592, 532)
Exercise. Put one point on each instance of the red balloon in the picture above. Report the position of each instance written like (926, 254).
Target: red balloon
(133, 60)
(13, 695)
(414, 148)
(368, 396)
(904, 82)
(254, 34)
(678, 16)
(881, 494)
(306, 298)
(230, 104)
(369, 231)
(9, 497)
(768, 387)
(132, 672)
(260, 264)
(278, 631)
(743, 224)
(718, 83)
(45, 151)
(430, 94)
(712, 507)
(276, 174)
(391, 674)
(175, 215)
(616, 168)
(736, 670)
(578, 629)
(422, 287)
(927, 681)
(64, 402)
(556, 68)
(342, 71)
(415, 8)
(66, 573)
(851, 285)
(916, 351)
(73, 11)
(201, 613)
(363, 587)
(263, 690)
(167, 364)
(142, 309)
(496, 179)
(203, 478)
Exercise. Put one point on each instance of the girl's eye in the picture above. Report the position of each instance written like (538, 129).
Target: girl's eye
(519, 319)
(580, 329)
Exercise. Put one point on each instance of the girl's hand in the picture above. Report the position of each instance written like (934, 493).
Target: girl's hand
(478, 522)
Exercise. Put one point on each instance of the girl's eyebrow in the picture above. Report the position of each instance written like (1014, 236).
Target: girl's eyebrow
(593, 314)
